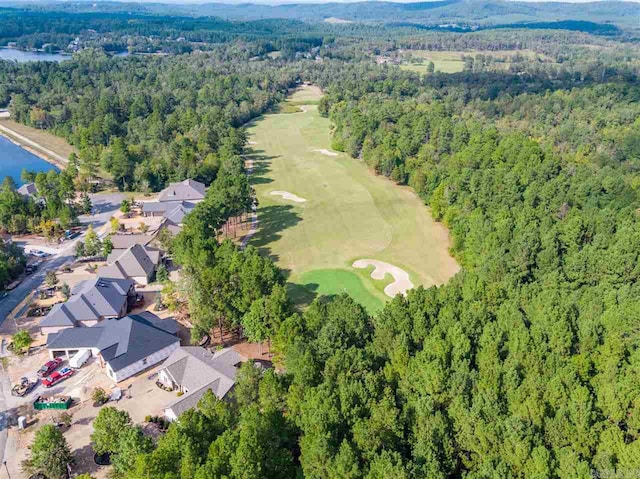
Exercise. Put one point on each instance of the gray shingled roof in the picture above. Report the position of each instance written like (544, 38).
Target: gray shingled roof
(28, 189)
(170, 226)
(121, 342)
(170, 326)
(74, 338)
(177, 214)
(198, 370)
(126, 241)
(90, 300)
(153, 253)
(132, 262)
(173, 210)
(189, 190)
(191, 400)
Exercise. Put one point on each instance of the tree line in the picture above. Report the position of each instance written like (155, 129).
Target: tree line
(145, 121)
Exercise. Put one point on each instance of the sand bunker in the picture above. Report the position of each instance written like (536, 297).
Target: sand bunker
(401, 282)
(288, 196)
(325, 152)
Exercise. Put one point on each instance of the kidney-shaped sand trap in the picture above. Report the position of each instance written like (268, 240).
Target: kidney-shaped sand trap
(288, 196)
(324, 151)
(401, 282)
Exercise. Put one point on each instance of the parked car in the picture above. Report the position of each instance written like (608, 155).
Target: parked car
(24, 387)
(57, 377)
(49, 367)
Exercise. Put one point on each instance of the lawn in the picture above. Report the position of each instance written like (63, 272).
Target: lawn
(349, 213)
(452, 62)
(329, 282)
(48, 140)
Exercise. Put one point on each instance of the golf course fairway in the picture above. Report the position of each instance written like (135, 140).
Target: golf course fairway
(328, 211)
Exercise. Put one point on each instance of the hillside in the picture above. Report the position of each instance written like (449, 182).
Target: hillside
(477, 12)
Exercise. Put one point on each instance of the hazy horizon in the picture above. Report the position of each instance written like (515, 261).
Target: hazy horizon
(291, 2)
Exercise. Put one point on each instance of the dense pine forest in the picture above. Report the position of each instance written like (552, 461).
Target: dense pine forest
(526, 364)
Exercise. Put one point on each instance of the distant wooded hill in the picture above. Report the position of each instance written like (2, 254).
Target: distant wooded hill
(445, 12)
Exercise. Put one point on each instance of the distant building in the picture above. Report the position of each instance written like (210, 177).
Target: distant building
(29, 189)
(137, 262)
(123, 346)
(91, 301)
(194, 371)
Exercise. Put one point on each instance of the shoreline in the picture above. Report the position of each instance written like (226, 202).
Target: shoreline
(33, 147)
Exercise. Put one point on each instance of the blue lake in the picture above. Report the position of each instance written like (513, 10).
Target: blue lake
(13, 159)
(22, 56)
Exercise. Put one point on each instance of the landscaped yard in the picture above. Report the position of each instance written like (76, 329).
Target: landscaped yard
(320, 211)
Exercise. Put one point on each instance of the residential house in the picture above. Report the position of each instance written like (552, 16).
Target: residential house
(123, 346)
(28, 189)
(194, 371)
(91, 301)
(174, 203)
(187, 190)
(173, 210)
(137, 262)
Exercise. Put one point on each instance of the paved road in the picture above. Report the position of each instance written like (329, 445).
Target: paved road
(5, 396)
(105, 205)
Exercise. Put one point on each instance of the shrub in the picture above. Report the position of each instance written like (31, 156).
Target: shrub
(99, 396)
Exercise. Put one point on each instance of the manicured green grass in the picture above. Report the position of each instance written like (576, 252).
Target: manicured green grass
(444, 66)
(330, 282)
(349, 214)
(286, 107)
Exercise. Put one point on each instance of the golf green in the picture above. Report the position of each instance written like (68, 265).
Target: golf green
(329, 282)
(328, 210)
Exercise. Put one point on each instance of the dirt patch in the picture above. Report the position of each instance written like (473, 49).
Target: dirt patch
(324, 151)
(401, 282)
(288, 196)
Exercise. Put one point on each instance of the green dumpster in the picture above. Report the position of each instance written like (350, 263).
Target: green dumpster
(52, 402)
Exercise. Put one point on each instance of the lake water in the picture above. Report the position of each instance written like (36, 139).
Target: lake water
(13, 159)
(22, 56)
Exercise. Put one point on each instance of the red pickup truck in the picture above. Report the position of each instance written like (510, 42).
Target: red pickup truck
(56, 377)
(49, 367)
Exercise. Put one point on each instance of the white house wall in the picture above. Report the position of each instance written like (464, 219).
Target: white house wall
(151, 360)
(170, 415)
(164, 378)
(141, 280)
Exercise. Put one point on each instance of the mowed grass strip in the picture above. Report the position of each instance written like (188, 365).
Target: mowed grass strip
(349, 213)
(48, 140)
